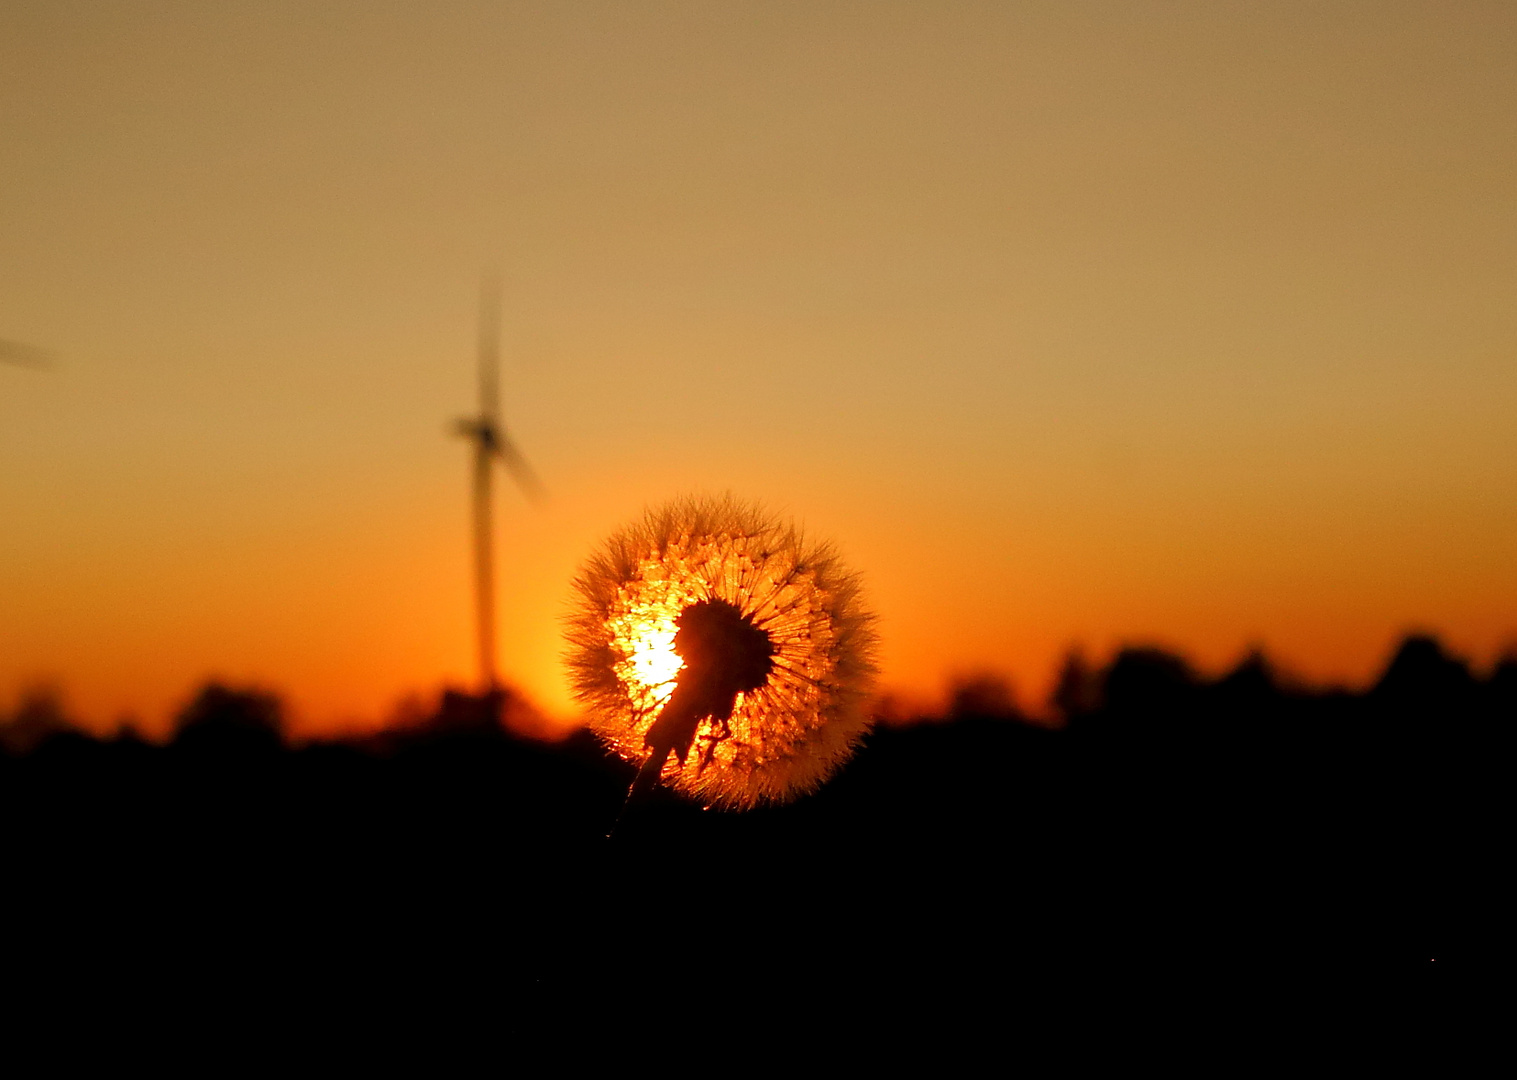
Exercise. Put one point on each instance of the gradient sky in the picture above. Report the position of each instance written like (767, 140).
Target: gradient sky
(1185, 323)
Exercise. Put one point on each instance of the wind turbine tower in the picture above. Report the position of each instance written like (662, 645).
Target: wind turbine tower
(491, 446)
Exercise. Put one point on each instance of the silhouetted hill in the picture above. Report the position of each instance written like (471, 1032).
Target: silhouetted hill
(1225, 820)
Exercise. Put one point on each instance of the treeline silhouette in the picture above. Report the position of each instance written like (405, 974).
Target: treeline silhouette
(1220, 820)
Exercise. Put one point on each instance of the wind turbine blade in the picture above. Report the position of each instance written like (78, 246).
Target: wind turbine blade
(489, 347)
(13, 352)
(521, 472)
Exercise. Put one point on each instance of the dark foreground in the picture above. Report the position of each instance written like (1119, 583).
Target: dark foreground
(1173, 822)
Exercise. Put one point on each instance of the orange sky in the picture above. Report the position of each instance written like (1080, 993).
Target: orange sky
(1176, 323)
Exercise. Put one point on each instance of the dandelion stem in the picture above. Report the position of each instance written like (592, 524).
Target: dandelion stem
(643, 783)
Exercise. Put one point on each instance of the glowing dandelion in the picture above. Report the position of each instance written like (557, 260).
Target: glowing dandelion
(723, 654)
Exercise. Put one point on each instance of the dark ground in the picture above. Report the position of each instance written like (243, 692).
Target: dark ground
(1173, 822)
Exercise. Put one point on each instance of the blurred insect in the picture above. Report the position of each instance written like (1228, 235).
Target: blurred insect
(724, 655)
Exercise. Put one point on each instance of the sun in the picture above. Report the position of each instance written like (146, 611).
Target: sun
(646, 638)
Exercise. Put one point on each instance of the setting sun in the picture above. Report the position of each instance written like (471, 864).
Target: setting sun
(647, 638)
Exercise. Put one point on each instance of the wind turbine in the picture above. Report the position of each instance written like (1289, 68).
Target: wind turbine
(490, 446)
(14, 352)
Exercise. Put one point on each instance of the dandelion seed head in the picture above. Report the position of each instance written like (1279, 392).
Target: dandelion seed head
(721, 580)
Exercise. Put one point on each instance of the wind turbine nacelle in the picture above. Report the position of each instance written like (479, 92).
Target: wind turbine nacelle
(474, 427)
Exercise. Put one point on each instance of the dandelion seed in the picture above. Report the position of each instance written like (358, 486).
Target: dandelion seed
(721, 653)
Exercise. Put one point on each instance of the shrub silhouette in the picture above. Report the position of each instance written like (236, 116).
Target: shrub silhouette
(224, 720)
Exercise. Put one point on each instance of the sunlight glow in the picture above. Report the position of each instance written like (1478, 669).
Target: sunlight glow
(650, 664)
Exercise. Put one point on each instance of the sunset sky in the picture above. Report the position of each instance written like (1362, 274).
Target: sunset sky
(1180, 323)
